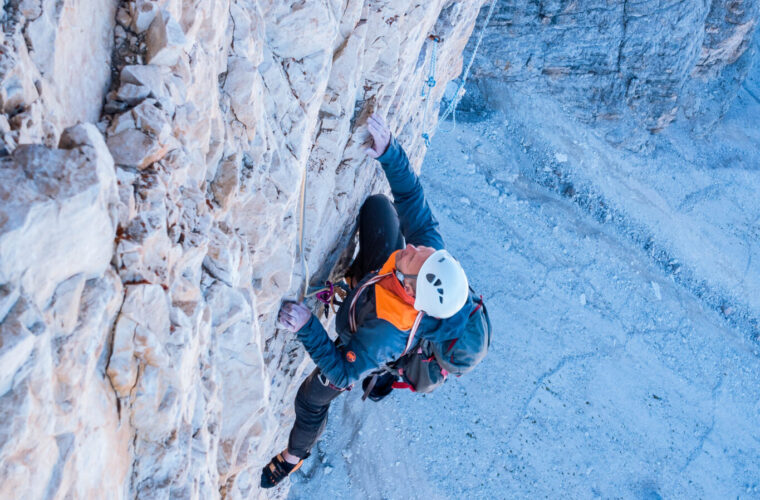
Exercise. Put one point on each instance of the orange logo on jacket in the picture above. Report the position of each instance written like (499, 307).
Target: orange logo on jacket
(351, 356)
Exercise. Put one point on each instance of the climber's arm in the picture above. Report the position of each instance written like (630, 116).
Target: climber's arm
(418, 224)
(417, 221)
(342, 366)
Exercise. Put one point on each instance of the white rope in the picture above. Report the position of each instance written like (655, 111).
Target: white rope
(451, 108)
(352, 308)
(413, 332)
(428, 87)
(302, 224)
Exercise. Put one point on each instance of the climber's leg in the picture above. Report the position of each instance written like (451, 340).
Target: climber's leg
(312, 402)
(379, 235)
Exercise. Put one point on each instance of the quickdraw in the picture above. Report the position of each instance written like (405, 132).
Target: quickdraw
(452, 107)
(429, 84)
(327, 296)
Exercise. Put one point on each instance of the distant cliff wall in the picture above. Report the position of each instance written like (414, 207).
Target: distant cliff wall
(626, 66)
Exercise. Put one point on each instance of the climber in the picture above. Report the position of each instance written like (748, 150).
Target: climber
(399, 289)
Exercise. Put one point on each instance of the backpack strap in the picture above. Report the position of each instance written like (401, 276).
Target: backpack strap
(370, 386)
(480, 304)
(403, 385)
(452, 344)
(413, 332)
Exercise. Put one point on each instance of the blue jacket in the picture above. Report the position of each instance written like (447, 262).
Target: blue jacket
(377, 341)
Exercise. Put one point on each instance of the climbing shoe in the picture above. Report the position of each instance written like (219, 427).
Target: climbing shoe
(276, 470)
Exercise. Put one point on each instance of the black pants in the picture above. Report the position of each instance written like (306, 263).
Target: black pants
(379, 236)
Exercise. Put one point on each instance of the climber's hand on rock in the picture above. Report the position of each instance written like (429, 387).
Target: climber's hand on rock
(293, 316)
(381, 136)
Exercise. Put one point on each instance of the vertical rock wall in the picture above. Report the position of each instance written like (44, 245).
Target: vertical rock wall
(54, 66)
(142, 262)
(59, 420)
(624, 65)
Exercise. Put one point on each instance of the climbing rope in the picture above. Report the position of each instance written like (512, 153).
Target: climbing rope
(301, 223)
(429, 84)
(451, 108)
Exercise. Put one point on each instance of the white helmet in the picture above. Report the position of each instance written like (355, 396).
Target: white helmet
(442, 287)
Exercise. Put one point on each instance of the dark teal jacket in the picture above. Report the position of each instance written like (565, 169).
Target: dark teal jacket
(377, 341)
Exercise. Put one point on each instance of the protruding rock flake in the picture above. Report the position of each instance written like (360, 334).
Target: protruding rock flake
(134, 148)
(143, 14)
(56, 218)
(165, 40)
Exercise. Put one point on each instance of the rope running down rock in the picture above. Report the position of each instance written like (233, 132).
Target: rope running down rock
(302, 223)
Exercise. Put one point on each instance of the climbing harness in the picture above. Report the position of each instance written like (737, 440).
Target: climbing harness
(451, 108)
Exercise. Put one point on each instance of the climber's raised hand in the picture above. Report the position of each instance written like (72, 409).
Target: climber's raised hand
(293, 316)
(381, 136)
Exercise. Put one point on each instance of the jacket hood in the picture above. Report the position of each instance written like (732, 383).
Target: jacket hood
(439, 330)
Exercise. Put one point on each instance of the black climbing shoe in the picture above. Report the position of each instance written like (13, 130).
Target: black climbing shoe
(276, 470)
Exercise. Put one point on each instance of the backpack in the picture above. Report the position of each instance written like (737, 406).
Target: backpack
(425, 368)
(460, 355)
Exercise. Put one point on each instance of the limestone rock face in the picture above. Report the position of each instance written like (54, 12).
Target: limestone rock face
(624, 65)
(60, 296)
(57, 218)
(54, 66)
(143, 259)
